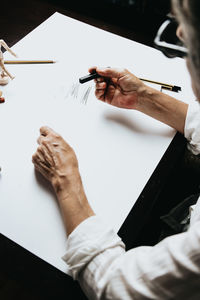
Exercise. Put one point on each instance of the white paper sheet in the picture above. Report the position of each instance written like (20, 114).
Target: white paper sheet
(117, 149)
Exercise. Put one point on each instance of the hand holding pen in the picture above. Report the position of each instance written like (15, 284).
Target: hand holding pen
(165, 86)
(117, 87)
(121, 88)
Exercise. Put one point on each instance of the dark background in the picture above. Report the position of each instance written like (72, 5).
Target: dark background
(137, 19)
(25, 276)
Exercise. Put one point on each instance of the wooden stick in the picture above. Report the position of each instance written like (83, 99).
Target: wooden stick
(16, 62)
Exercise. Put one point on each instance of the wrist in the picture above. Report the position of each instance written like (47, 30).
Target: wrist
(146, 97)
(65, 184)
(163, 108)
(73, 202)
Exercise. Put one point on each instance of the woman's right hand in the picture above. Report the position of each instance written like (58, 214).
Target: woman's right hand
(121, 88)
(118, 87)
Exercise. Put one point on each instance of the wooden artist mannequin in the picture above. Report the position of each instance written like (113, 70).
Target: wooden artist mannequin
(4, 75)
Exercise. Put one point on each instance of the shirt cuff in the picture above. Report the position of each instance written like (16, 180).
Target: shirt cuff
(192, 127)
(89, 239)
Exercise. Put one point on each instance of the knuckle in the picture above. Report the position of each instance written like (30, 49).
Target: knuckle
(39, 149)
(53, 136)
(44, 142)
(34, 157)
(57, 136)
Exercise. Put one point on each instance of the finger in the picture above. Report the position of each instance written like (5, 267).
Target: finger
(111, 72)
(45, 150)
(101, 85)
(49, 151)
(39, 162)
(45, 171)
(40, 139)
(43, 139)
(92, 69)
(45, 130)
(100, 94)
(45, 157)
(37, 158)
(100, 79)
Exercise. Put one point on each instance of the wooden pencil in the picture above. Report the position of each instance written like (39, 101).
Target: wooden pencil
(16, 62)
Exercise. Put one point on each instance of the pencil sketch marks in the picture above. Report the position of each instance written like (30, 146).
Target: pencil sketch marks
(78, 91)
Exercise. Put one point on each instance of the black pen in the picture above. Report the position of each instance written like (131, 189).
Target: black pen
(89, 77)
(170, 87)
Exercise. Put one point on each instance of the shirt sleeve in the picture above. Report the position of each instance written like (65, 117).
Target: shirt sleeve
(192, 127)
(97, 258)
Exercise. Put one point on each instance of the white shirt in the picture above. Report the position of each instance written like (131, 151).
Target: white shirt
(97, 258)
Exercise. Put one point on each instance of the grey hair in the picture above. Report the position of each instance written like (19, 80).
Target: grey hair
(188, 11)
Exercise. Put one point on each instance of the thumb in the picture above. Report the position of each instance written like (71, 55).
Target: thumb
(45, 130)
(111, 72)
